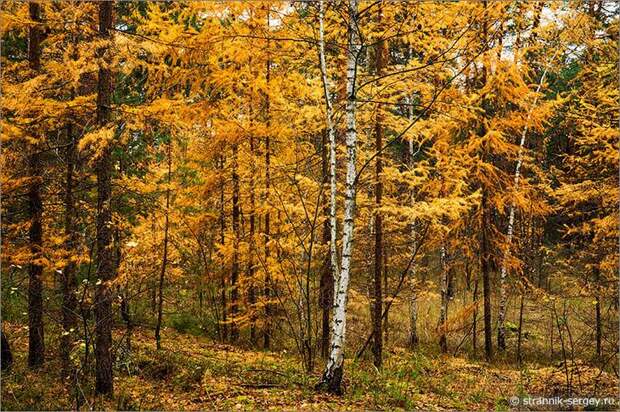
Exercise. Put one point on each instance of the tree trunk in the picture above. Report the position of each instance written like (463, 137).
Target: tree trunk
(474, 336)
(597, 309)
(267, 234)
(331, 265)
(326, 287)
(69, 281)
(250, 268)
(332, 376)
(223, 285)
(413, 332)
(105, 258)
(234, 277)
(377, 307)
(503, 293)
(164, 260)
(443, 311)
(519, 340)
(386, 294)
(36, 344)
(5, 349)
(486, 278)
(485, 221)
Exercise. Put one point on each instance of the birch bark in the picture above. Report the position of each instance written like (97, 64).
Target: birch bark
(332, 146)
(332, 376)
(503, 293)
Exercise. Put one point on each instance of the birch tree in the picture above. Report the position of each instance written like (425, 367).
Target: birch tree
(332, 376)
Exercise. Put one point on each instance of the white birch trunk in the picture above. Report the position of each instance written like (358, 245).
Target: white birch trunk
(332, 377)
(332, 148)
(503, 293)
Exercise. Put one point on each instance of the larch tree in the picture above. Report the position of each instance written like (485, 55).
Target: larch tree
(105, 257)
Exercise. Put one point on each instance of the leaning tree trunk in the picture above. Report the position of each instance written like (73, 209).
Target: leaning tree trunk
(36, 344)
(105, 257)
(332, 376)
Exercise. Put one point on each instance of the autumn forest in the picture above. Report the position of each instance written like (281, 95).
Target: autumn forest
(323, 204)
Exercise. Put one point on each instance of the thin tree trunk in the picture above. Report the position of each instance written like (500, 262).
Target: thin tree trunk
(223, 285)
(443, 311)
(486, 278)
(474, 336)
(520, 335)
(267, 234)
(326, 288)
(36, 342)
(386, 294)
(69, 281)
(503, 293)
(332, 376)
(485, 216)
(164, 260)
(377, 307)
(105, 257)
(331, 266)
(234, 291)
(250, 268)
(413, 332)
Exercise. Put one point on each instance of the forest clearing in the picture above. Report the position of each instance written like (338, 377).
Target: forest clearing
(323, 204)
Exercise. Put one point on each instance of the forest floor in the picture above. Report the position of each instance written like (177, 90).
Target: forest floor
(195, 373)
